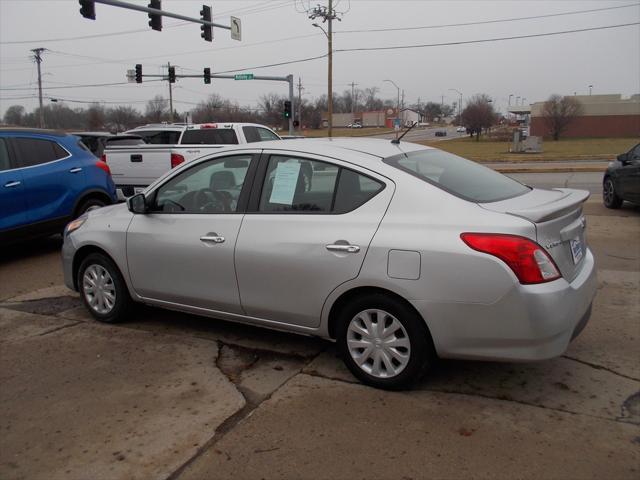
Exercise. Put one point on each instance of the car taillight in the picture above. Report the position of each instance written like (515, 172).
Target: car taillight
(103, 166)
(103, 158)
(176, 159)
(527, 259)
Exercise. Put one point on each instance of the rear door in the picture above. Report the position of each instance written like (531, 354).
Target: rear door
(308, 228)
(52, 178)
(13, 213)
(629, 176)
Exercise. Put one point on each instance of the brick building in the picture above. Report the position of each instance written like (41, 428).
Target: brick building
(602, 116)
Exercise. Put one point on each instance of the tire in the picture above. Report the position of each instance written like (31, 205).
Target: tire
(609, 196)
(88, 205)
(405, 363)
(109, 300)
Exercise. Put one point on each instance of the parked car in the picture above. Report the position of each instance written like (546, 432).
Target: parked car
(97, 142)
(47, 178)
(441, 133)
(354, 125)
(461, 129)
(135, 167)
(622, 179)
(400, 253)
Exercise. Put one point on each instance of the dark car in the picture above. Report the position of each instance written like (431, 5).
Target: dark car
(47, 178)
(622, 179)
(97, 142)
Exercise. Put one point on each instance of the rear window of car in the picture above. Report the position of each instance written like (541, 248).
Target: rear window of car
(458, 176)
(210, 136)
(159, 137)
(125, 141)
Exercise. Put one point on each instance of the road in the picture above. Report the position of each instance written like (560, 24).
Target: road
(169, 395)
(421, 134)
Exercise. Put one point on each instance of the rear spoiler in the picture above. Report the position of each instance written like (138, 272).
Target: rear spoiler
(541, 205)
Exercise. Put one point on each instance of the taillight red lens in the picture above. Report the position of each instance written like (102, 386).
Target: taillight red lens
(103, 166)
(103, 158)
(527, 259)
(176, 159)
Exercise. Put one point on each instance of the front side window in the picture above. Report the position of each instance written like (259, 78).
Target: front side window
(211, 187)
(458, 176)
(36, 151)
(309, 186)
(5, 164)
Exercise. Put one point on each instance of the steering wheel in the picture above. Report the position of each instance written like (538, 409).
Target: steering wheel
(206, 200)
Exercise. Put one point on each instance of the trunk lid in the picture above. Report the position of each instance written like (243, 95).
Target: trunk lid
(560, 224)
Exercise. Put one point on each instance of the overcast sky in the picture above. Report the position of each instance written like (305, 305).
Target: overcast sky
(279, 31)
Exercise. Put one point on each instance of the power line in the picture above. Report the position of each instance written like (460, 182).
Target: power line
(83, 86)
(484, 22)
(485, 40)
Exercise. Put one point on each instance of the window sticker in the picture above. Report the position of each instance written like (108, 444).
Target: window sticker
(284, 183)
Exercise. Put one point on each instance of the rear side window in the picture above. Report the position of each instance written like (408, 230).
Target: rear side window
(4, 156)
(458, 176)
(159, 137)
(265, 134)
(210, 136)
(251, 134)
(309, 186)
(36, 151)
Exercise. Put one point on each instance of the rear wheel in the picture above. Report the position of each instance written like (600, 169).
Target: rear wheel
(103, 290)
(384, 342)
(609, 195)
(89, 204)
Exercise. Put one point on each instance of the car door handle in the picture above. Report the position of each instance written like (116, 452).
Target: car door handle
(12, 184)
(212, 238)
(136, 158)
(336, 247)
(75, 170)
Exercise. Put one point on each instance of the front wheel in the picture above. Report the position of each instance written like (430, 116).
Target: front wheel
(609, 195)
(103, 290)
(90, 204)
(384, 342)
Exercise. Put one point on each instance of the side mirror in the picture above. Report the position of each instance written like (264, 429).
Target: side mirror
(622, 158)
(137, 203)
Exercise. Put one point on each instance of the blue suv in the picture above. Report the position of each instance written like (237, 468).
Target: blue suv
(47, 178)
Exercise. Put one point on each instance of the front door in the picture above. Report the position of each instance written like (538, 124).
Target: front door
(305, 234)
(182, 250)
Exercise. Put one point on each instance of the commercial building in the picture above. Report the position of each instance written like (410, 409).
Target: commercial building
(602, 116)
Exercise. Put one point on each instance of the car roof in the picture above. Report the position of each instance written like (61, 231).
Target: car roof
(337, 146)
(36, 131)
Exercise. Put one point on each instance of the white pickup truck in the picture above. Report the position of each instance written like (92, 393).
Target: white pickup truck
(168, 145)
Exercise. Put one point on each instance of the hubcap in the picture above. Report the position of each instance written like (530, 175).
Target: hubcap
(608, 191)
(99, 289)
(378, 343)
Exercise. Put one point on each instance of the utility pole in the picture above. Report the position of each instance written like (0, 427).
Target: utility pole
(327, 15)
(170, 95)
(353, 102)
(37, 52)
(300, 88)
(402, 99)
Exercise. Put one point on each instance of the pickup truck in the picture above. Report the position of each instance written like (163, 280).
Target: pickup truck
(168, 145)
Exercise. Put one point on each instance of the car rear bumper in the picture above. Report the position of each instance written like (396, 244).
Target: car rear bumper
(531, 322)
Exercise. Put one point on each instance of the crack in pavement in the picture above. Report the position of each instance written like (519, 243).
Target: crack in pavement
(601, 367)
(252, 399)
(57, 329)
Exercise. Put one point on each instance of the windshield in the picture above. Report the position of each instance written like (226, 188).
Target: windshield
(458, 176)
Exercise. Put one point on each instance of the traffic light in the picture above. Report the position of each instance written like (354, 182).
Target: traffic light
(207, 30)
(172, 74)
(88, 9)
(138, 73)
(207, 75)
(155, 20)
(287, 109)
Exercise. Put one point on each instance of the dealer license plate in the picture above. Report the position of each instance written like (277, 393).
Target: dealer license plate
(576, 250)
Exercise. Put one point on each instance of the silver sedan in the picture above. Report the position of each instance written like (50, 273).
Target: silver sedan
(398, 252)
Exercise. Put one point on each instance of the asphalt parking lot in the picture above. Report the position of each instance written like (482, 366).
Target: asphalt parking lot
(174, 396)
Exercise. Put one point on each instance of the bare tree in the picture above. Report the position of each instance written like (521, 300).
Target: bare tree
(371, 100)
(559, 112)
(14, 115)
(272, 106)
(157, 109)
(478, 114)
(123, 118)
